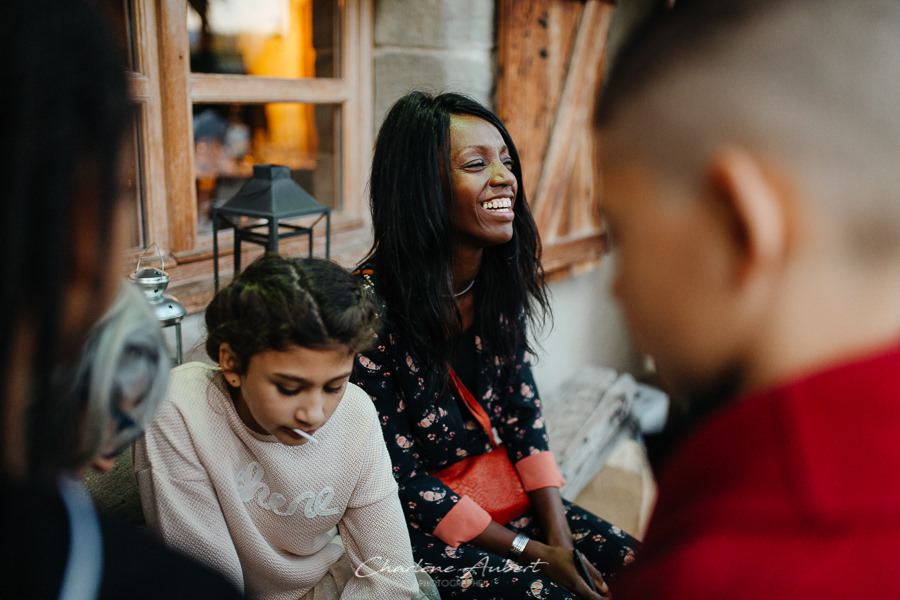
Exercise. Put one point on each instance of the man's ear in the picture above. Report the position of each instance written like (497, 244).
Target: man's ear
(231, 366)
(753, 199)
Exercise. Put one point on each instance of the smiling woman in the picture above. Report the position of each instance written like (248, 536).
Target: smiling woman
(456, 264)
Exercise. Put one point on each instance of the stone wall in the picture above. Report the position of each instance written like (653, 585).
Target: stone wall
(433, 45)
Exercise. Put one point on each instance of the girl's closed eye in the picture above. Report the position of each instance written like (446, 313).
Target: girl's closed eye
(287, 391)
(335, 389)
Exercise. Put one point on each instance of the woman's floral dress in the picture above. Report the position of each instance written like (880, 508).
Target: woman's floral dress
(426, 430)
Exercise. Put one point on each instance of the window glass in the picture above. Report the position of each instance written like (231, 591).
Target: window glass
(272, 38)
(133, 184)
(121, 13)
(230, 139)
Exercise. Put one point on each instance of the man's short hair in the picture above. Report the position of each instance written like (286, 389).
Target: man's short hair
(811, 87)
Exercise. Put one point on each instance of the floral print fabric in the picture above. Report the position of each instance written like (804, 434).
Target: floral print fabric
(425, 427)
(469, 572)
(426, 430)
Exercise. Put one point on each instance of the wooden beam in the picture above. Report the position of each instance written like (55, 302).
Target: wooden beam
(356, 116)
(566, 253)
(174, 52)
(534, 41)
(147, 95)
(572, 116)
(213, 88)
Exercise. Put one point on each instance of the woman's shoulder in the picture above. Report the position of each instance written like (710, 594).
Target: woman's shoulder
(134, 557)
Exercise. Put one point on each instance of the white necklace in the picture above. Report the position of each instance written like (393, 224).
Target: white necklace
(465, 291)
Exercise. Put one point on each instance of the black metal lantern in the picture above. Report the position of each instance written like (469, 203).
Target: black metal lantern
(272, 195)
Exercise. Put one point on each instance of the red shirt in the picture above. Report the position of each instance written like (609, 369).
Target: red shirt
(792, 493)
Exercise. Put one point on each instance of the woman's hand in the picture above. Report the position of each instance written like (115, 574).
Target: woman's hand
(547, 505)
(558, 563)
(555, 562)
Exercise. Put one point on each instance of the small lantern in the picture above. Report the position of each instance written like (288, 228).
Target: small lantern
(272, 195)
(168, 310)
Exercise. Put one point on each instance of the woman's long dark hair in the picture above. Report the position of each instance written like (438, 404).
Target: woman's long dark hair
(63, 117)
(413, 249)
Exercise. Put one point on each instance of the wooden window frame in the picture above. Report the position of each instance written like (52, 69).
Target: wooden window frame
(145, 93)
(164, 90)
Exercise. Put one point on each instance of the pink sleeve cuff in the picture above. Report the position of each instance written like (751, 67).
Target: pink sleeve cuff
(464, 522)
(539, 471)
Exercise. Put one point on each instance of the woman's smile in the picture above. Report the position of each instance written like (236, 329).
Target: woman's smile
(498, 205)
(484, 186)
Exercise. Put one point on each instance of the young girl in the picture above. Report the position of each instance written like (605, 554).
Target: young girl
(249, 466)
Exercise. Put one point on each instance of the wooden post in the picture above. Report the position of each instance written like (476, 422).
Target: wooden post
(551, 55)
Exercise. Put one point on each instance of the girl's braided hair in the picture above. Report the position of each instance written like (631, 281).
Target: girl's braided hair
(277, 302)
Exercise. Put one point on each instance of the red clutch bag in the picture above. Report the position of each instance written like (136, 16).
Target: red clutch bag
(489, 479)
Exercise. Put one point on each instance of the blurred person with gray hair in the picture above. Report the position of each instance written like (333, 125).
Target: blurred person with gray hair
(105, 398)
(115, 386)
(64, 114)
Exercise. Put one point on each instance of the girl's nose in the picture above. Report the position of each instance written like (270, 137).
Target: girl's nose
(311, 410)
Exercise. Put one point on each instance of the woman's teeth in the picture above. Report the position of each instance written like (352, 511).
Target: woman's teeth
(497, 204)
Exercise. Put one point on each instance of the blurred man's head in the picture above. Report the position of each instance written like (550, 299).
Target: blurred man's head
(750, 152)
